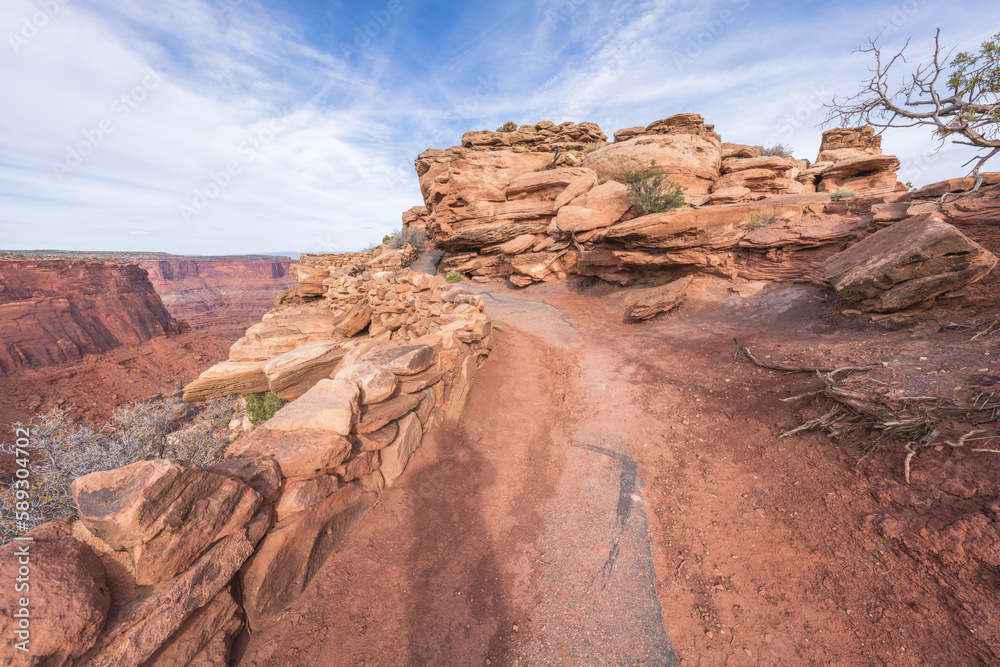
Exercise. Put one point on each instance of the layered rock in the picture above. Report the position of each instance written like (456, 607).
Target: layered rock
(168, 539)
(682, 146)
(219, 295)
(906, 263)
(498, 216)
(57, 311)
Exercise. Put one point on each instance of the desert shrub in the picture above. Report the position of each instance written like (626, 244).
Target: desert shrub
(454, 277)
(652, 191)
(415, 237)
(509, 126)
(840, 195)
(204, 442)
(762, 219)
(594, 146)
(261, 407)
(65, 450)
(778, 150)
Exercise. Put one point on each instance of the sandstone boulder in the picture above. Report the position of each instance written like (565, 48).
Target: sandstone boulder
(906, 263)
(197, 631)
(397, 455)
(293, 551)
(375, 383)
(954, 185)
(522, 243)
(68, 600)
(227, 378)
(282, 332)
(301, 494)
(262, 474)
(405, 360)
(356, 320)
(358, 466)
(379, 415)
(843, 142)
(414, 383)
(691, 160)
(130, 638)
(310, 279)
(375, 440)
(460, 390)
(862, 174)
(293, 373)
(661, 299)
(298, 453)
(331, 405)
(547, 184)
(164, 512)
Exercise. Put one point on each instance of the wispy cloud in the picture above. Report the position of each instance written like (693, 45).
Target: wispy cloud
(280, 126)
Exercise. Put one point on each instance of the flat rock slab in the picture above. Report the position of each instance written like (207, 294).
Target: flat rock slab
(292, 374)
(331, 405)
(165, 512)
(298, 453)
(662, 299)
(227, 378)
(911, 261)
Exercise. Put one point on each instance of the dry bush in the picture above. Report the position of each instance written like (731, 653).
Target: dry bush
(400, 237)
(65, 450)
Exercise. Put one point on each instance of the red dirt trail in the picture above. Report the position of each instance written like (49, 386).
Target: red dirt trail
(529, 537)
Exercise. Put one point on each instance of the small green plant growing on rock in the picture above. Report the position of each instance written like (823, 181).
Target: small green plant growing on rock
(509, 126)
(841, 195)
(261, 407)
(454, 277)
(778, 150)
(763, 219)
(652, 191)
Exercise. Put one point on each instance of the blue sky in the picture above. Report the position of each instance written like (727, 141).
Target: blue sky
(238, 126)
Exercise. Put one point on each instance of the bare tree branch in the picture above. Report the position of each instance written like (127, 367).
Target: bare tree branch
(956, 95)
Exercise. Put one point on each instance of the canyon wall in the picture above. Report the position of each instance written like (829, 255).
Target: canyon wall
(56, 311)
(219, 296)
(168, 561)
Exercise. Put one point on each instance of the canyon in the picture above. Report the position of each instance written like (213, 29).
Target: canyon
(730, 432)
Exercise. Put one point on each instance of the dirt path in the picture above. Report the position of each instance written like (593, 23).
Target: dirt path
(521, 538)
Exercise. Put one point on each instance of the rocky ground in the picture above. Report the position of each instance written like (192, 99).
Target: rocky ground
(764, 550)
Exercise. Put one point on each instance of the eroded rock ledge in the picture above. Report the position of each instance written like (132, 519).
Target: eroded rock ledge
(169, 561)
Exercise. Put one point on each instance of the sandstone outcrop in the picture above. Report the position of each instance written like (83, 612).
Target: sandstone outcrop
(683, 146)
(498, 214)
(907, 263)
(68, 600)
(172, 536)
(165, 513)
(57, 311)
(661, 300)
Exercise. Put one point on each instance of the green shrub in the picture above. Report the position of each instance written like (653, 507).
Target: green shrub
(454, 277)
(261, 407)
(778, 150)
(652, 191)
(509, 126)
(843, 194)
(763, 219)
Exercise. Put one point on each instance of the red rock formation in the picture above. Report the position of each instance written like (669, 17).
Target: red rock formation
(56, 311)
(220, 296)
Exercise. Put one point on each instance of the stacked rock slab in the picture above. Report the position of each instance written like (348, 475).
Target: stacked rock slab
(169, 562)
(501, 212)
